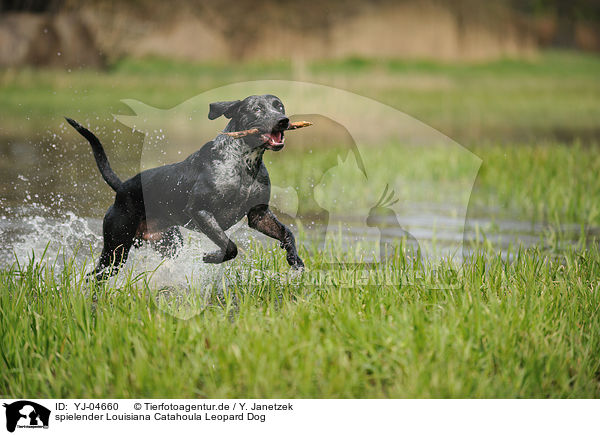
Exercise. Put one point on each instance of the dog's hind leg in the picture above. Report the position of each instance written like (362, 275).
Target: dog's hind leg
(119, 229)
(111, 260)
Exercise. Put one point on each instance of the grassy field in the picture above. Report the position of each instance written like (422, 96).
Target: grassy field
(552, 96)
(525, 329)
(522, 323)
(550, 182)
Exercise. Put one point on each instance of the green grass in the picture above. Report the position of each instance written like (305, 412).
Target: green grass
(554, 95)
(552, 183)
(529, 328)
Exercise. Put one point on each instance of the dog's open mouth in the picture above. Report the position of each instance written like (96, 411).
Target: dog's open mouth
(274, 140)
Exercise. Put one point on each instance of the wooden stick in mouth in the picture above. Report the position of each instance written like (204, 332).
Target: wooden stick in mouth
(292, 126)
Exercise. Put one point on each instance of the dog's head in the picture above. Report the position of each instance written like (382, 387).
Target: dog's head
(264, 112)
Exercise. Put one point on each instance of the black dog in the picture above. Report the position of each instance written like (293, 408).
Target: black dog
(210, 191)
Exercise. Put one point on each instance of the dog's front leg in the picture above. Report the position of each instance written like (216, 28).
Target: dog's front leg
(262, 219)
(207, 223)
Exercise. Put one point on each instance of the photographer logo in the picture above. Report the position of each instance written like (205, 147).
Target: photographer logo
(25, 414)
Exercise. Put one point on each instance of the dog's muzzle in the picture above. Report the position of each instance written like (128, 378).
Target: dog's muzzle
(275, 140)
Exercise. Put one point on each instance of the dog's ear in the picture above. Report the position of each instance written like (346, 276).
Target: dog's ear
(226, 108)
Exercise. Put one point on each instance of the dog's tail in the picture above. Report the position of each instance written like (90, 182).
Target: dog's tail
(101, 160)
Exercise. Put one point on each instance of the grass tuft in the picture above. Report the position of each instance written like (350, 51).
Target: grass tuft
(526, 328)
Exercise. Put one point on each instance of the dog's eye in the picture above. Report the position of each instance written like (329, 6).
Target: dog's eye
(257, 110)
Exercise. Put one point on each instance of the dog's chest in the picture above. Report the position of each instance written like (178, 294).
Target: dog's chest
(244, 172)
(240, 195)
(253, 188)
(242, 186)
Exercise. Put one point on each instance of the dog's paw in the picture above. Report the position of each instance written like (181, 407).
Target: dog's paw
(298, 270)
(296, 263)
(221, 256)
(214, 257)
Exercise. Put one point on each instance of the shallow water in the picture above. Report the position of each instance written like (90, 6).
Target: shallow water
(30, 230)
(52, 200)
(183, 286)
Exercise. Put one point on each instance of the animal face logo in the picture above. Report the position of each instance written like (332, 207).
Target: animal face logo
(26, 414)
(391, 234)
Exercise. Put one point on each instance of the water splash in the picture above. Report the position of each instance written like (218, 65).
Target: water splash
(182, 286)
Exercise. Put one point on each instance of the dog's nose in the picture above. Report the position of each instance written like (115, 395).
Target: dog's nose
(283, 123)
